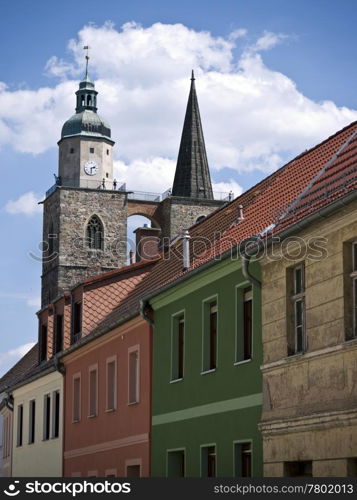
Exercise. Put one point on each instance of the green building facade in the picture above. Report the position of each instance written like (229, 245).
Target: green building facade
(207, 390)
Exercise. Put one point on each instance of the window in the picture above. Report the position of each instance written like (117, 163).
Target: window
(46, 416)
(176, 463)
(177, 347)
(43, 343)
(111, 384)
(93, 391)
(296, 309)
(76, 321)
(298, 469)
(243, 459)
(210, 336)
(32, 421)
(58, 341)
(20, 424)
(244, 324)
(208, 461)
(350, 268)
(71, 151)
(91, 150)
(76, 398)
(351, 467)
(134, 376)
(7, 437)
(133, 470)
(107, 151)
(55, 414)
(95, 233)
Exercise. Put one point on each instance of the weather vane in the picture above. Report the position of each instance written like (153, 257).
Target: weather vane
(86, 47)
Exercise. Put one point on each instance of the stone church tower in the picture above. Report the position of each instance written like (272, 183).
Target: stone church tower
(85, 214)
(85, 217)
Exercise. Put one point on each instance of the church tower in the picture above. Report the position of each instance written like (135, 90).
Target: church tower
(192, 195)
(85, 215)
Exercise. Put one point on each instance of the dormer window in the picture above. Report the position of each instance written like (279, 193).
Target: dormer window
(76, 321)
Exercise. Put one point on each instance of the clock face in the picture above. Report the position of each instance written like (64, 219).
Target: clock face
(91, 168)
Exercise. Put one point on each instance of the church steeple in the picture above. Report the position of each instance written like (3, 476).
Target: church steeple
(192, 177)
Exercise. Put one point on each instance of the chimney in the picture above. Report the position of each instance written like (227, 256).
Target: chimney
(186, 249)
(131, 256)
(240, 213)
(147, 242)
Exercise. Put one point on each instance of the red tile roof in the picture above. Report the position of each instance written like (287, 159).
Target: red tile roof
(316, 173)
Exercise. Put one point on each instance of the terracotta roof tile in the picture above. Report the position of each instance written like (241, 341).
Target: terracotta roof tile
(266, 204)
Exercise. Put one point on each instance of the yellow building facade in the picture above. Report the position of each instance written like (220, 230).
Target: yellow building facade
(309, 333)
(38, 427)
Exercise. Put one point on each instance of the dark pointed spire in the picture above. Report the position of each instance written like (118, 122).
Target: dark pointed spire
(192, 177)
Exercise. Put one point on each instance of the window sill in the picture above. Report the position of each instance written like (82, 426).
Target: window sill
(351, 340)
(176, 380)
(110, 410)
(93, 416)
(243, 362)
(133, 403)
(76, 421)
(208, 371)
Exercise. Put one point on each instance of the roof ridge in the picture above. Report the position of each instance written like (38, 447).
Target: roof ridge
(319, 174)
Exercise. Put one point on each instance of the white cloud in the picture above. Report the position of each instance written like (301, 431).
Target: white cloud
(11, 357)
(31, 300)
(26, 204)
(34, 302)
(239, 33)
(268, 41)
(225, 188)
(253, 117)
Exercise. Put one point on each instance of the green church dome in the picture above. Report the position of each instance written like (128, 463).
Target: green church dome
(87, 123)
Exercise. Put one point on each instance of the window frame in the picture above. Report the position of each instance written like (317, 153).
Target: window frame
(206, 334)
(240, 291)
(353, 284)
(92, 369)
(75, 336)
(54, 434)
(77, 376)
(20, 425)
(111, 359)
(176, 450)
(207, 446)
(55, 332)
(242, 442)
(47, 420)
(32, 421)
(131, 350)
(177, 319)
(295, 297)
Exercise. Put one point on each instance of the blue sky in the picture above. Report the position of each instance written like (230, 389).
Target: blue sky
(274, 77)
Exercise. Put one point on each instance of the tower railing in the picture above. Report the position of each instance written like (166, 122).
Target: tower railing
(104, 184)
(107, 185)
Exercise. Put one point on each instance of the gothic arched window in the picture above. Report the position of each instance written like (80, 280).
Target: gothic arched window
(95, 233)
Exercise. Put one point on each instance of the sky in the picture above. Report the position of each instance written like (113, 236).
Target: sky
(273, 78)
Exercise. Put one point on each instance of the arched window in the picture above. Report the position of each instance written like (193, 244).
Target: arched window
(95, 233)
(89, 100)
